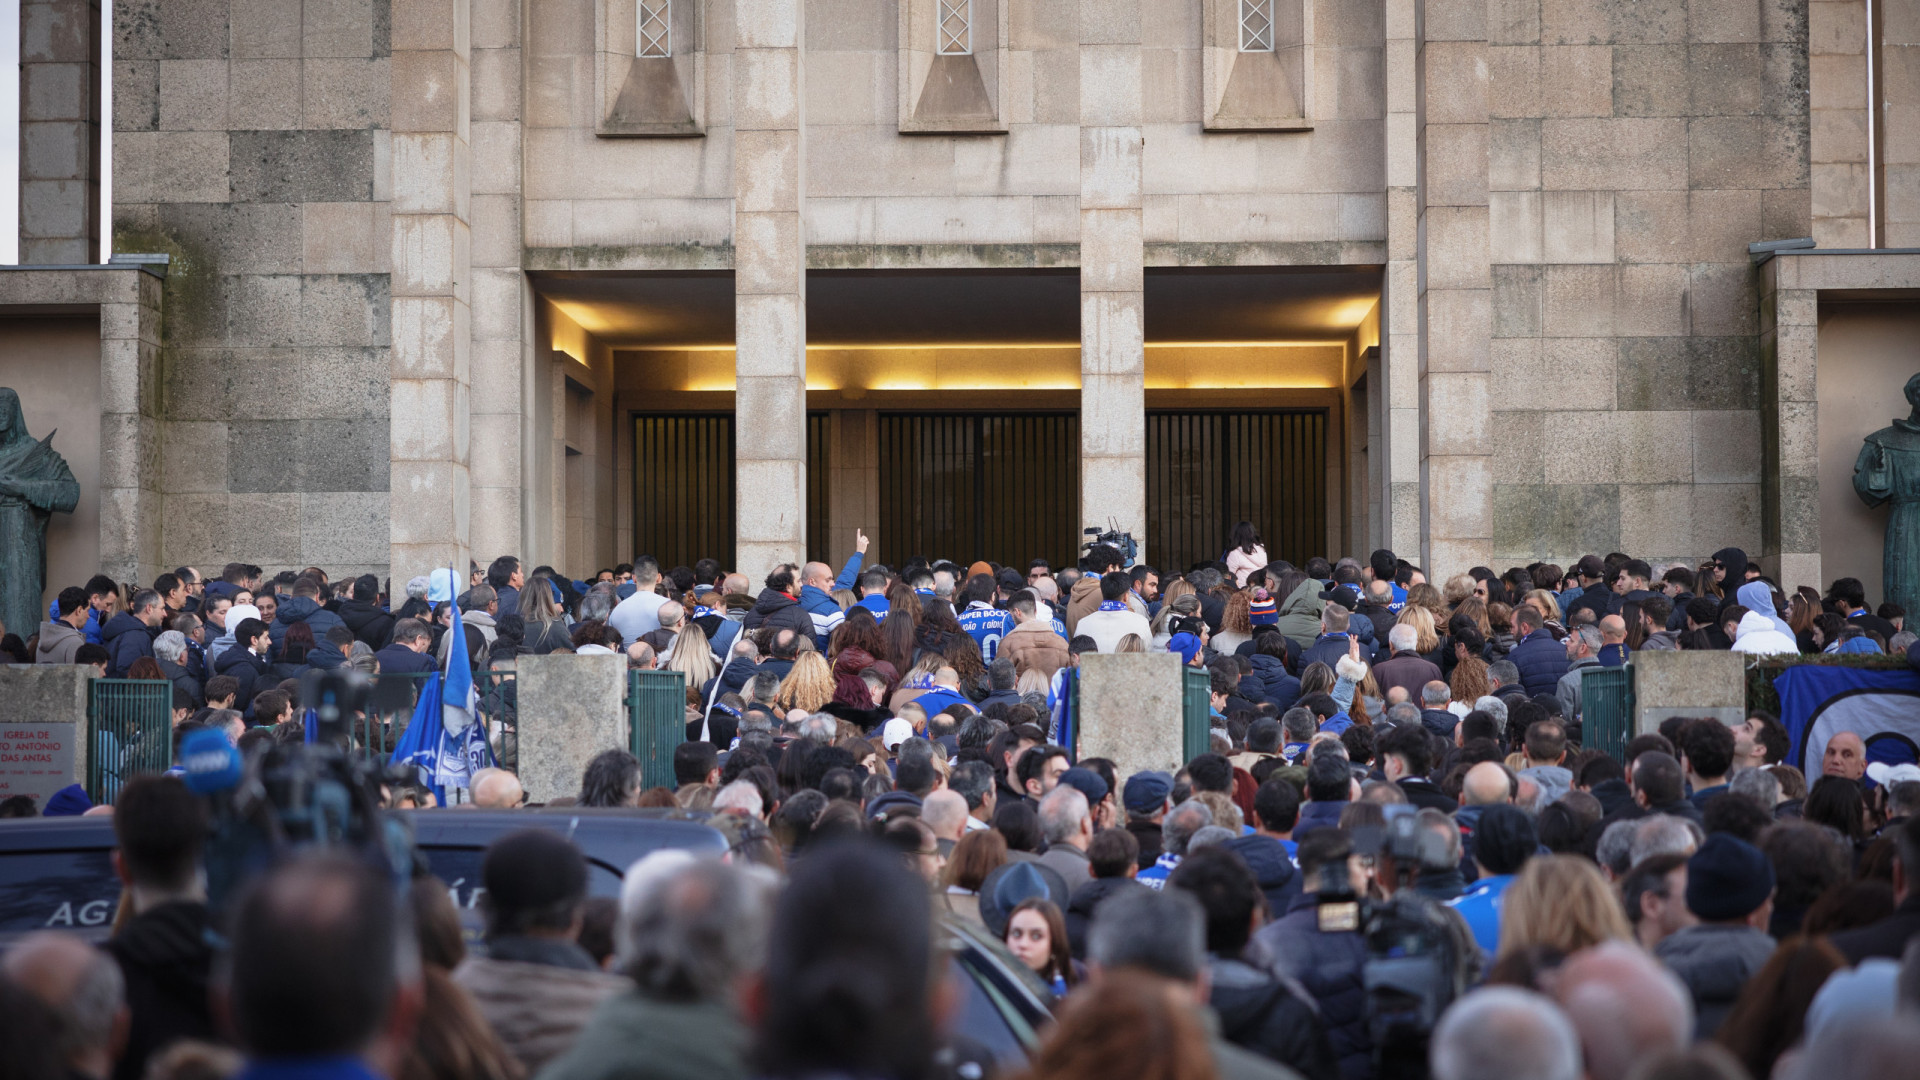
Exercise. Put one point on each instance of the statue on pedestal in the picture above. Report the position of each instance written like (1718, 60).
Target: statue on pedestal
(34, 483)
(1888, 471)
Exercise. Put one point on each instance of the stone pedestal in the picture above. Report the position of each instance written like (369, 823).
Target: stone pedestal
(1131, 710)
(571, 707)
(43, 724)
(1688, 683)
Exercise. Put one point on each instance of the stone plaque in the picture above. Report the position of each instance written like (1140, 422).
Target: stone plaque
(35, 759)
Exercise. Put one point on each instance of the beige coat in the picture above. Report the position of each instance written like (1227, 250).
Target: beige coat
(536, 1009)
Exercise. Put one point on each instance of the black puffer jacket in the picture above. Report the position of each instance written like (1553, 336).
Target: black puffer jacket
(1081, 904)
(1271, 1016)
(165, 958)
(1270, 682)
(1332, 968)
(776, 609)
(252, 673)
(368, 623)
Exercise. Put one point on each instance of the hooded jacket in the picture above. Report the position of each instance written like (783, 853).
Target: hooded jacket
(1332, 967)
(1270, 681)
(1758, 598)
(1273, 1016)
(1318, 815)
(1554, 781)
(1084, 599)
(1300, 613)
(58, 643)
(127, 639)
(1757, 635)
(166, 959)
(295, 609)
(368, 623)
(1279, 879)
(776, 609)
(1734, 561)
(250, 671)
(1715, 961)
(1541, 661)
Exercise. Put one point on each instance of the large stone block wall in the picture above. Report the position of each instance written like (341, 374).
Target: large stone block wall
(1634, 151)
(251, 143)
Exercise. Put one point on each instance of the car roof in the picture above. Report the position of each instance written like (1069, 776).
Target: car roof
(614, 836)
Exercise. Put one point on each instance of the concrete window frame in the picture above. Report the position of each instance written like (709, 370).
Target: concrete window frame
(1268, 88)
(953, 93)
(954, 27)
(652, 82)
(1256, 25)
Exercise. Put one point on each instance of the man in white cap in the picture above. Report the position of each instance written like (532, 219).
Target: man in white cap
(894, 732)
(236, 615)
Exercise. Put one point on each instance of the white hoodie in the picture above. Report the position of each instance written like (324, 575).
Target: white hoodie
(1756, 634)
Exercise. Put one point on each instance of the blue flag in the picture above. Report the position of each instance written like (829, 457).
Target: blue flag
(445, 740)
(1818, 702)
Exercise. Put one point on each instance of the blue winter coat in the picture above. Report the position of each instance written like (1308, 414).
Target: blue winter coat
(127, 639)
(1541, 661)
(1275, 685)
(820, 605)
(294, 609)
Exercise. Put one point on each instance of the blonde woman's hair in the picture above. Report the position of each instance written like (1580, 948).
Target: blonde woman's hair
(1422, 622)
(1426, 596)
(1187, 603)
(691, 656)
(1130, 643)
(844, 598)
(1545, 602)
(808, 686)
(1032, 681)
(1225, 813)
(1176, 589)
(1562, 902)
(1476, 609)
(1457, 588)
(1238, 618)
(1470, 682)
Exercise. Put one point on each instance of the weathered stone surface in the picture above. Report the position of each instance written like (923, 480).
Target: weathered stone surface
(1688, 682)
(571, 707)
(49, 700)
(1130, 710)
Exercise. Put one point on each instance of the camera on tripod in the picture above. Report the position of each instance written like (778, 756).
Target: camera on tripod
(1112, 537)
(1414, 967)
(288, 798)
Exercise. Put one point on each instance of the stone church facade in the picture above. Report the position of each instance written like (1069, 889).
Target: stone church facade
(456, 278)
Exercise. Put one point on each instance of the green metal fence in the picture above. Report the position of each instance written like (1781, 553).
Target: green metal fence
(656, 722)
(1196, 727)
(1606, 709)
(129, 731)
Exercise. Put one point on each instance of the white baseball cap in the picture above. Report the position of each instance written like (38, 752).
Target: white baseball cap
(895, 732)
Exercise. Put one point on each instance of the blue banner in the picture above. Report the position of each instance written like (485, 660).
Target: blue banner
(1818, 702)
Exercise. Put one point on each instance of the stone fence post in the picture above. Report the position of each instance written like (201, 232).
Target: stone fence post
(1131, 710)
(43, 727)
(1688, 682)
(570, 708)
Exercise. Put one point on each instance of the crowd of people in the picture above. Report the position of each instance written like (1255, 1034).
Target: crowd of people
(891, 750)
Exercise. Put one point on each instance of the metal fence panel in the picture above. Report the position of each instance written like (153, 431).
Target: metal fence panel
(1197, 715)
(394, 696)
(130, 731)
(1606, 709)
(656, 722)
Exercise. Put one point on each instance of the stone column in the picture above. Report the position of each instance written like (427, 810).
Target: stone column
(1790, 424)
(503, 343)
(59, 132)
(770, 284)
(1841, 121)
(1113, 362)
(432, 286)
(1398, 389)
(1455, 283)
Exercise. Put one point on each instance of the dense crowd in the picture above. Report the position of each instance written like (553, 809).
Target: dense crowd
(890, 749)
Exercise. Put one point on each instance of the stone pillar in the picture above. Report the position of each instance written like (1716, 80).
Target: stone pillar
(1841, 121)
(432, 286)
(503, 343)
(770, 284)
(1132, 710)
(1790, 424)
(1113, 360)
(1897, 112)
(59, 132)
(570, 708)
(1397, 444)
(1455, 283)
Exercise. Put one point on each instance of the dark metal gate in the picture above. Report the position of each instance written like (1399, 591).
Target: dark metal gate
(1207, 471)
(968, 486)
(656, 723)
(683, 488)
(129, 732)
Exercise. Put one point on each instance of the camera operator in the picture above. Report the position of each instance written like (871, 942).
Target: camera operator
(1323, 953)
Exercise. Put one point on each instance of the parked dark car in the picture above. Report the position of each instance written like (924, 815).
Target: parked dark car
(55, 873)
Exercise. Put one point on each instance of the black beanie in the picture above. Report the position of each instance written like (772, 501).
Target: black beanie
(1504, 839)
(1727, 879)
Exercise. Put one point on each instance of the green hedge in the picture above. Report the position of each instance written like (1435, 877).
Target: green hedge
(1762, 672)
